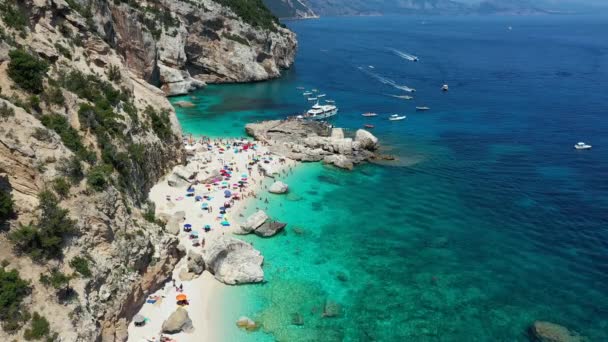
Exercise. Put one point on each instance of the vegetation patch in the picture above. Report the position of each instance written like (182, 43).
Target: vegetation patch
(69, 136)
(27, 71)
(6, 205)
(253, 12)
(81, 265)
(45, 239)
(71, 168)
(12, 15)
(39, 328)
(13, 290)
(235, 38)
(98, 177)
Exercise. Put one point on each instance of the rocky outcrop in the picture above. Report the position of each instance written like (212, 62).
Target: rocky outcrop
(246, 323)
(311, 141)
(178, 321)
(196, 264)
(233, 261)
(541, 331)
(278, 187)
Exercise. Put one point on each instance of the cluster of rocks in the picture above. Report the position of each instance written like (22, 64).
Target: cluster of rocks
(178, 321)
(261, 225)
(311, 141)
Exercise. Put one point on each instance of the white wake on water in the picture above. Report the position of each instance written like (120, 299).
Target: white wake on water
(404, 55)
(387, 81)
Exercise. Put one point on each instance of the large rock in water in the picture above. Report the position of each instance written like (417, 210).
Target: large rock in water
(178, 321)
(541, 331)
(278, 188)
(366, 140)
(233, 261)
(254, 221)
(269, 228)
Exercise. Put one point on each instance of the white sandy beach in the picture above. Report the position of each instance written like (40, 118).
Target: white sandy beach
(204, 292)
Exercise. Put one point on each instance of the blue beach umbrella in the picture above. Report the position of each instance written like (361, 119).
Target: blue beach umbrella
(187, 225)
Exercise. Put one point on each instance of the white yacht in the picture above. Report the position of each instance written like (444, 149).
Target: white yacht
(321, 112)
(312, 99)
(422, 109)
(396, 117)
(445, 87)
(582, 146)
(306, 93)
(369, 114)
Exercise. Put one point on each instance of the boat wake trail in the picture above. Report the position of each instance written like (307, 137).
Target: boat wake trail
(404, 55)
(403, 97)
(387, 81)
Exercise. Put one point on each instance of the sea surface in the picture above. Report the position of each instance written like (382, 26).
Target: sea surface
(489, 220)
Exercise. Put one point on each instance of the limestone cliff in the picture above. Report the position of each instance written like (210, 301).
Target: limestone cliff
(84, 120)
(178, 45)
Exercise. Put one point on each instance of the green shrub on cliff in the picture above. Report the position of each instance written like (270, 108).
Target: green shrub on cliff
(6, 205)
(81, 265)
(12, 15)
(253, 12)
(98, 177)
(69, 136)
(160, 123)
(45, 239)
(13, 290)
(39, 328)
(27, 71)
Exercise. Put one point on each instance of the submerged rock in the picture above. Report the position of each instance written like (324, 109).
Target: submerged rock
(269, 228)
(278, 188)
(339, 161)
(331, 309)
(297, 319)
(541, 331)
(246, 323)
(179, 321)
(233, 261)
(184, 104)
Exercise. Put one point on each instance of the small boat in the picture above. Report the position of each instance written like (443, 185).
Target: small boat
(315, 90)
(414, 58)
(300, 88)
(396, 117)
(306, 93)
(312, 99)
(582, 146)
(330, 101)
(369, 114)
(322, 95)
(371, 66)
(368, 126)
(445, 87)
(422, 109)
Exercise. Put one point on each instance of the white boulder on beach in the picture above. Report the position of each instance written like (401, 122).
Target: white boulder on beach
(233, 261)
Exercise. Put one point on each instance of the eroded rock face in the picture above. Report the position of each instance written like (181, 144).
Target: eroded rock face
(254, 221)
(541, 331)
(233, 261)
(202, 42)
(311, 141)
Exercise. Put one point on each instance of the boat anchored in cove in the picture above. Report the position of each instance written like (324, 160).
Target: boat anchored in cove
(320, 112)
(397, 117)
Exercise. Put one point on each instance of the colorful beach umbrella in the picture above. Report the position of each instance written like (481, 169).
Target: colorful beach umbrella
(181, 297)
(187, 225)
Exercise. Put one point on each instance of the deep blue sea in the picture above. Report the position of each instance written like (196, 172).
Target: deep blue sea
(489, 220)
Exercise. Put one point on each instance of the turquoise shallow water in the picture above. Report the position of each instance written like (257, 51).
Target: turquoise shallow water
(489, 221)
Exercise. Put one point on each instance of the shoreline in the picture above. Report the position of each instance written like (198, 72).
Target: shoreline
(204, 292)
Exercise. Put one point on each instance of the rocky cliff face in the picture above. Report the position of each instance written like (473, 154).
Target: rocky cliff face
(82, 116)
(178, 45)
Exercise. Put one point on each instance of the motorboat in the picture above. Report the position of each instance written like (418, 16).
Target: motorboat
(321, 95)
(369, 115)
(321, 112)
(368, 126)
(445, 87)
(312, 99)
(315, 90)
(306, 93)
(582, 146)
(422, 109)
(300, 88)
(397, 117)
(330, 101)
